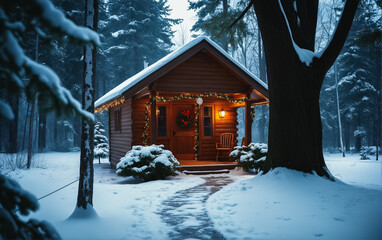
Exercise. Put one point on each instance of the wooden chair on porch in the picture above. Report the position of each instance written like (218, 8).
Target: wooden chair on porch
(226, 143)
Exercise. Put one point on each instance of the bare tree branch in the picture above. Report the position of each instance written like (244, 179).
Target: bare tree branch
(242, 14)
(339, 36)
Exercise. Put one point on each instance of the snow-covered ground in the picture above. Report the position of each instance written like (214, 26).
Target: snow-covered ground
(127, 208)
(283, 204)
(286, 204)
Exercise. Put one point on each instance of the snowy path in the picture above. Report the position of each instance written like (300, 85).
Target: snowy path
(186, 210)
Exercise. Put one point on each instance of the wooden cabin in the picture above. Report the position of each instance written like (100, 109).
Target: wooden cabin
(180, 101)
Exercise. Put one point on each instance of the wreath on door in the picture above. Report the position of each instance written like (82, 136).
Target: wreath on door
(184, 119)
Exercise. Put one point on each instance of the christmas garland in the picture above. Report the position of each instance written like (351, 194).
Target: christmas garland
(109, 105)
(196, 147)
(197, 110)
(121, 100)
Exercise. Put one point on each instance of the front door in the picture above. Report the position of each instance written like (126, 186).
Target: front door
(183, 132)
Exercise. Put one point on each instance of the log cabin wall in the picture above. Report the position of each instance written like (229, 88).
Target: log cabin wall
(200, 73)
(138, 117)
(228, 124)
(120, 139)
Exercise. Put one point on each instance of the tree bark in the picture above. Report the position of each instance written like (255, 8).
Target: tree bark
(263, 77)
(13, 124)
(295, 131)
(347, 137)
(339, 113)
(30, 136)
(42, 132)
(55, 132)
(85, 189)
(224, 40)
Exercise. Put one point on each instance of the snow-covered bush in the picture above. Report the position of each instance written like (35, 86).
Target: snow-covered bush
(148, 163)
(251, 157)
(364, 152)
(15, 201)
(101, 143)
(13, 161)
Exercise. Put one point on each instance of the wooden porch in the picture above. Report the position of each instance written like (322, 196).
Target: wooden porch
(205, 167)
(200, 162)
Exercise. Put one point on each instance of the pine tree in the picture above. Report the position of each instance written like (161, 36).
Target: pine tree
(135, 30)
(15, 201)
(359, 75)
(215, 19)
(42, 18)
(101, 143)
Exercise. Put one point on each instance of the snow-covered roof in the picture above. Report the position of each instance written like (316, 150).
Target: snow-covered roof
(127, 84)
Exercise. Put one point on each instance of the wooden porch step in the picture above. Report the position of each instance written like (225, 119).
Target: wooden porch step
(206, 172)
(212, 167)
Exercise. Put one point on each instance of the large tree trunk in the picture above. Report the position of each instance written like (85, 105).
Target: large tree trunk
(85, 189)
(13, 125)
(347, 136)
(42, 132)
(30, 136)
(339, 113)
(77, 127)
(224, 39)
(295, 131)
(263, 77)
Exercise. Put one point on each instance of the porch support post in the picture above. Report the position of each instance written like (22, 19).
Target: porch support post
(153, 118)
(248, 121)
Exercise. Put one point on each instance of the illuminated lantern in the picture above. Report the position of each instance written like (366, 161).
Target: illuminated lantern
(222, 113)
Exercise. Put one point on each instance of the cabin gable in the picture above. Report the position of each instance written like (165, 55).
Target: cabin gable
(200, 73)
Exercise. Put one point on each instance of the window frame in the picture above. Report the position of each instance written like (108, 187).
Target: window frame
(166, 118)
(212, 121)
(167, 121)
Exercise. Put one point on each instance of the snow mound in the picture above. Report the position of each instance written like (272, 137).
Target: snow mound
(287, 204)
(148, 163)
(81, 213)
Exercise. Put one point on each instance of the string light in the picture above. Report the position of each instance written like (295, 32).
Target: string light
(197, 110)
(121, 100)
(109, 105)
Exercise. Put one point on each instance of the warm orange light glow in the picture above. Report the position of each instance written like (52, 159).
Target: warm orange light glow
(222, 113)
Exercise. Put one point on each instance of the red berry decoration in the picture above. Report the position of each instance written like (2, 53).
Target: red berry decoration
(184, 119)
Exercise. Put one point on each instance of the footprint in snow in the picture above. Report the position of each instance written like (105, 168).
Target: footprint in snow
(339, 219)
(230, 205)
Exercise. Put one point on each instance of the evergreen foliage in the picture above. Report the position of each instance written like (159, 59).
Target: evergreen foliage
(251, 157)
(215, 19)
(134, 31)
(101, 143)
(358, 70)
(18, 21)
(14, 199)
(148, 163)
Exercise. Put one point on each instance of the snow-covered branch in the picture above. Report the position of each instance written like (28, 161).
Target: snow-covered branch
(57, 20)
(38, 78)
(306, 56)
(335, 44)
